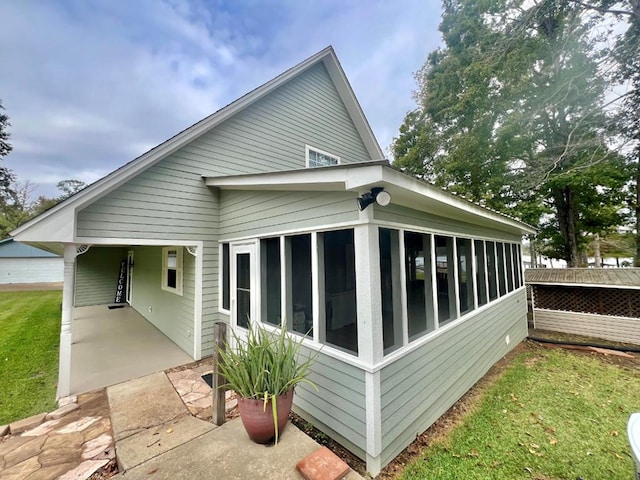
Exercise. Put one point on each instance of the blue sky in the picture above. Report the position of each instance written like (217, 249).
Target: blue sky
(90, 85)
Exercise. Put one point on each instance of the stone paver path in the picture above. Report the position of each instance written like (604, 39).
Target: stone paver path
(196, 393)
(77, 439)
(68, 444)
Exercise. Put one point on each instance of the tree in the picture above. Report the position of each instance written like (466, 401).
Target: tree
(7, 177)
(17, 208)
(511, 115)
(69, 187)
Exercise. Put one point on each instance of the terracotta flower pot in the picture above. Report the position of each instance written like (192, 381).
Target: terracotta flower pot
(258, 421)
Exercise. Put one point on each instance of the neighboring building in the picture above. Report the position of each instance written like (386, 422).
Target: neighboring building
(20, 263)
(267, 210)
(597, 302)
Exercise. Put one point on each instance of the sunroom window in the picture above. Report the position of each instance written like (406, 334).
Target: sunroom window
(390, 285)
(271, 281)
(338, 289)
(226, 279)
(465, 275)
(502, 278)
(492, 270)
(509, 259)
(481, 269)
(445, 280)
(420, 311)
(299, 284)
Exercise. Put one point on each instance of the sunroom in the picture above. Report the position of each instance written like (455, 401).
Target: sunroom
(407, 301)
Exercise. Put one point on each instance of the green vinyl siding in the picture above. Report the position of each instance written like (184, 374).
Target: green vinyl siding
(246, 213)
(338, 407)
(97, 273)
(449, 226)
(170, 313)
(169, 200)
(423, 384)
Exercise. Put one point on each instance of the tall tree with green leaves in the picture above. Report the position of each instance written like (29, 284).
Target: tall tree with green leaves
(511, 115)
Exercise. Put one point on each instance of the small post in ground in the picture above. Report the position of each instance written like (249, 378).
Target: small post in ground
(220, 339)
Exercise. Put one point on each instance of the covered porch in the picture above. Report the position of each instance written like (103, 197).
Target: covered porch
(112, 346)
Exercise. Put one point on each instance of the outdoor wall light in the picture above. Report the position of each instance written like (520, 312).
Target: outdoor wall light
(378, 195)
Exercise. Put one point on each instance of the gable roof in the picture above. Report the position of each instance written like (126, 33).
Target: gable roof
(405, 191)
(58, 222)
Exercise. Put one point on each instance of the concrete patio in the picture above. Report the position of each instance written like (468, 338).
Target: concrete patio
(113, 346)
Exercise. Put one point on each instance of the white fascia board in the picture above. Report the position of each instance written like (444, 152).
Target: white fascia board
(312, 179)
(116, 178)
(415, 191)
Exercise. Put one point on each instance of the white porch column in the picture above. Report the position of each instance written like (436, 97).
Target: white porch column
(368, 293)
(64, 368)
(370, 344)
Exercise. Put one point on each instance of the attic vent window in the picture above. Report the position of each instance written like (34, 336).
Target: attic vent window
(318, 158)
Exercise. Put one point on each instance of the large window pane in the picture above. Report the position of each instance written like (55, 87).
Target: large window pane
(491, 270)
(518, 263)
(445, 280)
(271, 280)
(226, 282)
(341, 326)
(481, 268)
(389, 285)
(300, 308)
(502, 277)
(509, 260)
(243, 289)
(465, 277)
(417, 248)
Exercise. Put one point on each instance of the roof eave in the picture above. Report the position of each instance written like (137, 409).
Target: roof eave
(405, 190)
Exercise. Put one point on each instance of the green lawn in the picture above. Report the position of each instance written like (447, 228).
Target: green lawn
(554, 414)
(29, 340)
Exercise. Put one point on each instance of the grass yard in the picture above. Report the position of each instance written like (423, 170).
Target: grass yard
(553, 414)
(29, 339)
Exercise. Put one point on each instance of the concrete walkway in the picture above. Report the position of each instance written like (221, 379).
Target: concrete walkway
(113, 346)
(160, 427)
(157, 438)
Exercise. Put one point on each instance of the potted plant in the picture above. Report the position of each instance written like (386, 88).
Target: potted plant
(263, 371)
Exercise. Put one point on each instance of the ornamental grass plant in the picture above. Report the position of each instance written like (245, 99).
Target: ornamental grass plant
(264, 365)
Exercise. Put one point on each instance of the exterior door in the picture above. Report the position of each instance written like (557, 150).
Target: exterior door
(129, 276)
(243, 284)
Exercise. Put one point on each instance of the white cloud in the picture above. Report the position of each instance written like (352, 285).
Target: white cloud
(92, 85)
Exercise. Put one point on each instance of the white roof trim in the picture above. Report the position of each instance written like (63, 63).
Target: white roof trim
(405, 190)
(116, 178)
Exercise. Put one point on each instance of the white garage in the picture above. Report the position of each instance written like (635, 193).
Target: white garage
(20, 263)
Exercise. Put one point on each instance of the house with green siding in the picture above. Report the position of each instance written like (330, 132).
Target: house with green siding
(281, 208)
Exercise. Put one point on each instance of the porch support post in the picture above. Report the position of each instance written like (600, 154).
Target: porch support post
(64, 368)
(370, 344)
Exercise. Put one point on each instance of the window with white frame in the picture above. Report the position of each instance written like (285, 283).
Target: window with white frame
(172, 269)
(318, 158)
(483, 270)
(337, 289)
(226, 278)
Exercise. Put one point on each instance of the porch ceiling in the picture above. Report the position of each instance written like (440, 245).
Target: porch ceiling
(112, 346)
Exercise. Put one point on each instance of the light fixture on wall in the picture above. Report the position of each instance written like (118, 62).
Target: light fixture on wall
(378, 195)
